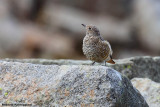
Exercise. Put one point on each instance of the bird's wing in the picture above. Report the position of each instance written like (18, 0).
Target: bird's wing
(108, 56)
(109, 46)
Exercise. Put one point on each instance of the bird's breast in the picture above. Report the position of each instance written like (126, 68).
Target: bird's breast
(95, 49)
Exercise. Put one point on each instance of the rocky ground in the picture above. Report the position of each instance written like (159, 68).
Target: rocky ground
(77, 83)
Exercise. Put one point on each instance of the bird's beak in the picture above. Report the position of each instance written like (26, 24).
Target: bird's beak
(83, 25)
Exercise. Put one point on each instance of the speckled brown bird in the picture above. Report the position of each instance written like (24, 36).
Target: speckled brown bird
(95, 47)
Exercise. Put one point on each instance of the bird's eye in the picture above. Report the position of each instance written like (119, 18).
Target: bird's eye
(89, 28)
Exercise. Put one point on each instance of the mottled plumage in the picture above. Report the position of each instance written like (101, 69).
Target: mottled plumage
(95, 47)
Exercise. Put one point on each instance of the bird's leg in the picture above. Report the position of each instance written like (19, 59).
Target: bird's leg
(93, 62)
(104, 63)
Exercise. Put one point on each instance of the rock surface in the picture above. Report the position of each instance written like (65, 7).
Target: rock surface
(146, 66)
(149, 89)
(66, 85)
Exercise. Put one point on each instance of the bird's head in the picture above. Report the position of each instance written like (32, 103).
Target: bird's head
(91, 30)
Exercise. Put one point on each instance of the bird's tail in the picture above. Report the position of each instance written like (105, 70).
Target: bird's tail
(111, 61)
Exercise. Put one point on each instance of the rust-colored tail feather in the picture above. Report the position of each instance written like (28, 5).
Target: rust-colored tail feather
(111, 61)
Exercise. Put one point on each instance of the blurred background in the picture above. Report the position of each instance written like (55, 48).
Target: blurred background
(52, 28)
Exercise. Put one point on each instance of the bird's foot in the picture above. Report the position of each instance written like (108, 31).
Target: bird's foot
(93, 63)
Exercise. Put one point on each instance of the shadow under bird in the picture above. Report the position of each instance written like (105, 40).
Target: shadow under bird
(95, 47)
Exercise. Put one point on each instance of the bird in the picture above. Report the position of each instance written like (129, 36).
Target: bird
(95, 48)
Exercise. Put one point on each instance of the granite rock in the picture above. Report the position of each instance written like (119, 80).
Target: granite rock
(143, 67)
(149, 89)
(66, 85)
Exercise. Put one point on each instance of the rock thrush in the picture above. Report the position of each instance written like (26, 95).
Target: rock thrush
(95, 47)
